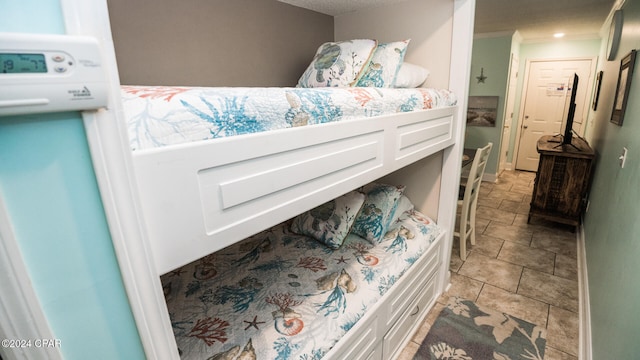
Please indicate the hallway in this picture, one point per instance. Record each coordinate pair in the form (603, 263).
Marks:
(526, 270)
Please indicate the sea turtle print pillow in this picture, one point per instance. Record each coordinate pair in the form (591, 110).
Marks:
(338, 64)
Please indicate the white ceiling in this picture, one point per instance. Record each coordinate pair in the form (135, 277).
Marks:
(533, 19)
(337, 7)
(540, 19)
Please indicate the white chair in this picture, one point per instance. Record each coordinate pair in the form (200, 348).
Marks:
(468, 199)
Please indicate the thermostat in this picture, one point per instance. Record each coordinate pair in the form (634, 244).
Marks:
(50, 73)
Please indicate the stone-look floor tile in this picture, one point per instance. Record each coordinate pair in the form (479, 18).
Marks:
(502, 186)
(566, 267)
(409, 351)
(443, 298)
(523, 181)
(481, 225)
(485, 190)
(508, 205)
(455, 263)
(523, 208)
(509, 174)
(506, 195)
(511, 233)
(522, 189)
(487, 245)
(497, 215)
(531, 175)
(536, 288)
(491, 271)
(555, 354)
(521, 219)
(423, 330)
(551, 289)
(489, 202)
(522, 307)
(559, 242)
(562, 330)
(526, 256)
(464, 287)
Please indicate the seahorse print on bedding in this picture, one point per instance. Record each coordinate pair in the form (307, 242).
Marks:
(293, 288)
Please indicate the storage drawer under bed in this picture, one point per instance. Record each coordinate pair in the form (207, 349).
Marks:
(397, 337)
(398, 304)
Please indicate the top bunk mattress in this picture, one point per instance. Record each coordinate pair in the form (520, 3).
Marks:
(160, 116)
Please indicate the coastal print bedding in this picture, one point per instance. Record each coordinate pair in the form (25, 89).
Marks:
(160, 116)
(279, 295)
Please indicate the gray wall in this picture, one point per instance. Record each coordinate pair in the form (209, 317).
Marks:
(492, 55)
(215, 42)
(612, 229)
(428, 23)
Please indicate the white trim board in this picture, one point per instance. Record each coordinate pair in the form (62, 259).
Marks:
(584, 311)
(112, 160)
(21, 315)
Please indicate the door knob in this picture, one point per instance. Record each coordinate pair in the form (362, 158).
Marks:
(525, 126)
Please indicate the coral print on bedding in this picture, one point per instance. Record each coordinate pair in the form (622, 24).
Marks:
(280, 295)
(162, 116)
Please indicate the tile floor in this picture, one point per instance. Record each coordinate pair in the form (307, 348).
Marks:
(526, 270)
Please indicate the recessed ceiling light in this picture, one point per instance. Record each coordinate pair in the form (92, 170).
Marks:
(558, 35)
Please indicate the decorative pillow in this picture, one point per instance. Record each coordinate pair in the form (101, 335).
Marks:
(404, 206)
(409, 225)
(411, 76)
(377, 212)
(384, 65)
(338, 64)
(330, 222)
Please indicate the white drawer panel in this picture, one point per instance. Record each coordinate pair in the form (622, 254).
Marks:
(364, 343)
(403, 297)
(395, 340)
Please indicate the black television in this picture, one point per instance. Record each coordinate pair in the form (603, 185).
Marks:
(571, 111)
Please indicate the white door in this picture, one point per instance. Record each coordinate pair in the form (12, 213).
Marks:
(544, 104)
(508, 118)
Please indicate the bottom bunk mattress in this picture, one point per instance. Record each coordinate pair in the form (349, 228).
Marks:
(280, 295)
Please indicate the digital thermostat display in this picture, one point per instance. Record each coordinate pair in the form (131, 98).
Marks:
(22, 63)
(43, 73)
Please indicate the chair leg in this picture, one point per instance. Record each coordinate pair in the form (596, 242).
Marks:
(463, 246)
(472, 218)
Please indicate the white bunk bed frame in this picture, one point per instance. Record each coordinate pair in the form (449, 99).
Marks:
(199, 200)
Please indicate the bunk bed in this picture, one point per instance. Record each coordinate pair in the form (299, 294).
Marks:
(171, 205)
(199, 206)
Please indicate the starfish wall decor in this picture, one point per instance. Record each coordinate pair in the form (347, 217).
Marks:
(481, 78)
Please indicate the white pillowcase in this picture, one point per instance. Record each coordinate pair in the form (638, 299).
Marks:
(411, 76)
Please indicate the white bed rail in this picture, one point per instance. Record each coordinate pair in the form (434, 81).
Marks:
(234, 187)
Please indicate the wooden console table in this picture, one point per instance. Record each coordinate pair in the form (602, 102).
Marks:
(562, 181)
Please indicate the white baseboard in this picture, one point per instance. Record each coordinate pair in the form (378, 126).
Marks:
(584, 349)
(489, 177)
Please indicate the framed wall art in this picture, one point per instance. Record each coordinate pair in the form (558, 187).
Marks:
(482, 110)
(622, 89)
(596, 91)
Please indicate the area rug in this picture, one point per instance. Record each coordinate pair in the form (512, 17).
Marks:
(467, 331)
